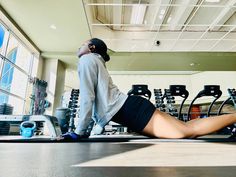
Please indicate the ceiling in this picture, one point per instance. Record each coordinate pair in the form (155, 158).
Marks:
(192, 34)
(55, 26)
(178, 25)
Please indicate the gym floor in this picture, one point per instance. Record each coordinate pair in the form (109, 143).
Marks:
(138, 157)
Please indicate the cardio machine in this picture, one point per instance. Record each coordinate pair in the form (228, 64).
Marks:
(140, 90)
(209, 90)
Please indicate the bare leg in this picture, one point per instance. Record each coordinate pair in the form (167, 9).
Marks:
(193, 120)
(211, 124)
(163, 125)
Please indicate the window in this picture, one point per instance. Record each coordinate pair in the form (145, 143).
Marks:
(4, 34)
(3, 98)
(13, 80)
(7, 73)
(16, 61)
(15, 102)
(23, 56)
(3, 42)
(19, 83)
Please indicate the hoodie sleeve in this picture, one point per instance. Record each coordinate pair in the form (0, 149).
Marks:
(88, 81)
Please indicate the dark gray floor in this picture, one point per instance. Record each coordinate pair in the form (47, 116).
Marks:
(57, 160)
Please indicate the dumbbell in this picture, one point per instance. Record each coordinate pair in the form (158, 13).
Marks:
(73, 102)
(74, 98)
(72, 105)
(170, 101)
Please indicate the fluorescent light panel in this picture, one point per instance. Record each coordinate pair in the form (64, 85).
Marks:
(138, 13)
(212, 0)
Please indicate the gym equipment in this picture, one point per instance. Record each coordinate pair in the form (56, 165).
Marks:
(5, 109)
(50, 122)
(231, 99)
(141, 90)
(232, 94)
(159, 100)
(209, 90)
(73, 106)
(63, 117)
(27, 129)
(66, 116)
(170, 100)
(169, 94)
(38, 102)
(228, 100)
(179, 90)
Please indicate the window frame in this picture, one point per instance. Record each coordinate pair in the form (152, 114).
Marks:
(4, 60)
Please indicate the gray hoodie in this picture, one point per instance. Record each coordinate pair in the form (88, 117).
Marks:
(100, 99)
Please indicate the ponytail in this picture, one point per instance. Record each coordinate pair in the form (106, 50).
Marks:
(106, 57)
(100, 48)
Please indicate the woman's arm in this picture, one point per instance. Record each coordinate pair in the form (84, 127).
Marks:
(88, 81)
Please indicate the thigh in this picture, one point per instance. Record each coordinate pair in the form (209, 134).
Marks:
(162, 125)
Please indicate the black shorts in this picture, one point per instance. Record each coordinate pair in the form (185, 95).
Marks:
(135, 113)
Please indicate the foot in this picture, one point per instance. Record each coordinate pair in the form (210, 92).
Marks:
(70, 136)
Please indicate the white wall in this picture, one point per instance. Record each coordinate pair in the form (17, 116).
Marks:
(60, 82)
(71, 79)
(226, 79)
(194, 82)
(39, 72)
(125, 82)
(50, 75)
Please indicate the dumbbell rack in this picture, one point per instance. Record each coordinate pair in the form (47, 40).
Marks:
(159, 102)
(232, 95)
(170, 100)
(73, 106)
(169, 95)
(37, 105)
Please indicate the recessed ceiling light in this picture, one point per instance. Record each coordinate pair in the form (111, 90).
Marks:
(194, 64)
(52, 26)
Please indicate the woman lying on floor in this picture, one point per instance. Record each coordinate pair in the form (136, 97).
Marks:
(102, 100)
